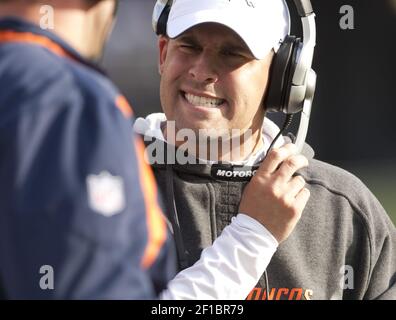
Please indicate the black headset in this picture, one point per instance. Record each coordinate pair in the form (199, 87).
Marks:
(292, 81)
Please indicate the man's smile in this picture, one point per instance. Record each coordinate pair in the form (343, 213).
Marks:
(200, 100)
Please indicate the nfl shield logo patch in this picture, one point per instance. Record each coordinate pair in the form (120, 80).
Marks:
(106, 193)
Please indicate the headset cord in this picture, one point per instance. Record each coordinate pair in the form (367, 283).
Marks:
(286, 124)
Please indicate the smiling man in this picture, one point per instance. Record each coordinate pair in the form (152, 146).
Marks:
(208, 84)
(209, 78)
(335, 241)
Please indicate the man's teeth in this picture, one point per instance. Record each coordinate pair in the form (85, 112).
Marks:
(203, 101)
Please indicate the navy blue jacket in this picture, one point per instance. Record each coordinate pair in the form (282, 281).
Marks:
(79, 217)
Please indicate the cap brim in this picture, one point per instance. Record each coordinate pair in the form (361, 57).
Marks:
(259, 47)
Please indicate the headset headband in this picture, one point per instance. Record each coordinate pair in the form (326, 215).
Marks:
(304, 7)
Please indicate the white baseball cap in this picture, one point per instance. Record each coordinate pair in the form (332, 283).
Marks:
(262, 24)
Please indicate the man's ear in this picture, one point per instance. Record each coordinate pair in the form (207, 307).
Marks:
(163, 50)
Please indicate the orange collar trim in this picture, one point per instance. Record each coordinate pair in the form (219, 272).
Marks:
(28, 37)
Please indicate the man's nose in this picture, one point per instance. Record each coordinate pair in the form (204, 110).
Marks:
(204, 69)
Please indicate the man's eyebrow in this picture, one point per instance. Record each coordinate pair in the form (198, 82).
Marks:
(188, 39)
(227, 46)
(235, 47)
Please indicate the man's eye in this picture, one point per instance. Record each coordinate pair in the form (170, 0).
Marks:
(189, 47)
(232, 54)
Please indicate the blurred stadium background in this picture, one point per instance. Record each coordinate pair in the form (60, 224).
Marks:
(353, 121)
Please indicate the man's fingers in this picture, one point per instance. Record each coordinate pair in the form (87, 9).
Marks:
(289, 167)
(302, 199)
(276, 157)
(294, 187)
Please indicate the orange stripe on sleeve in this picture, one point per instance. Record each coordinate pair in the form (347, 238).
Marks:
(124, 106)
(155, 219)
(27, 37)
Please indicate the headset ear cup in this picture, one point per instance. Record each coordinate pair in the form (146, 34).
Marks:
(279, 76)
(293, 104)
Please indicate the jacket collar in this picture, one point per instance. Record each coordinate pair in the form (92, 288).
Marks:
(14, 29)
(165, 155)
